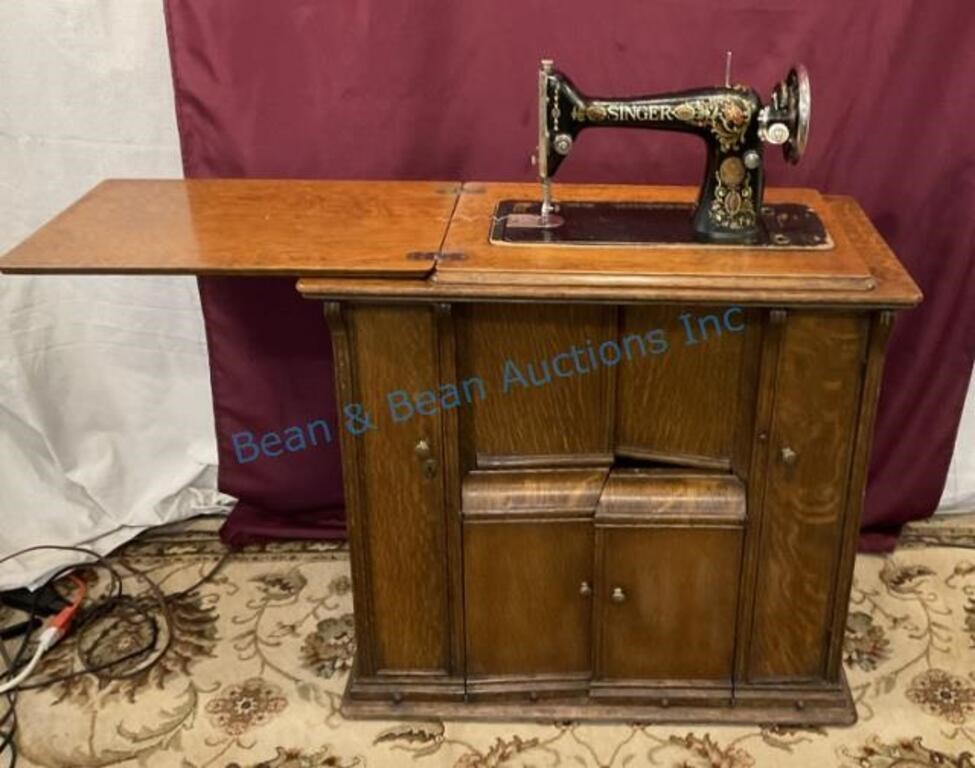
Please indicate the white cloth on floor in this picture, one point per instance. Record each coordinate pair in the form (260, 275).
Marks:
(106, 417)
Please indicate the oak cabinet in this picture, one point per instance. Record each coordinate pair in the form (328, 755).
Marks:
(673, 571)
(600, 481)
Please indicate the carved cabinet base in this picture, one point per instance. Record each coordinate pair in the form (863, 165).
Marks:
(805, 706)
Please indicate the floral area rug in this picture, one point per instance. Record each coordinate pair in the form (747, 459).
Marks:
(259, 656)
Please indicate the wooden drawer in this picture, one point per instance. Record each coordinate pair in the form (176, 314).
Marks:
(528, 559)
(668, 556)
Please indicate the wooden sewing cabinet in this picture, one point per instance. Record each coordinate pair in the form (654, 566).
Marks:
(669, 537)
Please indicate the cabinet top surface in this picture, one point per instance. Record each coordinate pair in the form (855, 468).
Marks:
(385, 239)
(836, 268)
(243, 226)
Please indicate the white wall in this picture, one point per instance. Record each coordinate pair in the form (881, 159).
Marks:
(106, 421)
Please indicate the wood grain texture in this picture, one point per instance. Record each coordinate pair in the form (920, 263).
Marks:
(840, 268)
(748, 392)
(672, 497)
(669, 695)
(817, 395)
(525, 613)
(356, 516)
(329, 231)
(561, 416)
(243, 226)
(451, 480)
(677, 621)
(679, 404)
(396, 348)
(535, 493)
(671, 541)
(893, 286)
(772, 328)
(881, 325)
(820, 705)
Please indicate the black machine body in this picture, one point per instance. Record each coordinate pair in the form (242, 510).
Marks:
(732, 120)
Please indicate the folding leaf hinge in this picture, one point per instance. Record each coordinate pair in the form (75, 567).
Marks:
(436, 256)
(467, 188)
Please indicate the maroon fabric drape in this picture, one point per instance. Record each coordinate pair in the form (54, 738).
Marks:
(444, 89)
(271, 372)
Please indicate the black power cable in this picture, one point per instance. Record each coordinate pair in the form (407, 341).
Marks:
(103, 613)
(7, 736)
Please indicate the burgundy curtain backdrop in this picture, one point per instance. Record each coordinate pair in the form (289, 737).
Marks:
(446, 89)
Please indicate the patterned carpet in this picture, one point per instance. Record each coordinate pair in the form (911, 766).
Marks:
(259, 656)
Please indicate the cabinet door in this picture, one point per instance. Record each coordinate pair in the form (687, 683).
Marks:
(395, 505)
(543, 408)
(667, 598)
(528, 598)
(816, 405)
(680, 404)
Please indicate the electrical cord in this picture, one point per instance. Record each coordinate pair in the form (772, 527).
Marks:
(115, 608)
(53, 631)
(7, 744)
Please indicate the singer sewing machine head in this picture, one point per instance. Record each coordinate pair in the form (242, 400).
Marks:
(734, 124)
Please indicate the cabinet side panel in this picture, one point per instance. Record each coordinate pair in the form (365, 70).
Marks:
(816, 399)
(336, 316)
(880, 327)
(556, 407)
(395, 349)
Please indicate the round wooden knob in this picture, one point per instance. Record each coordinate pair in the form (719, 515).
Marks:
(789, 456)
(585, 589)
(617, 595)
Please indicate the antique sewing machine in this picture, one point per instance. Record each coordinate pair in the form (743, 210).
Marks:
(660, 525)
(734, 125)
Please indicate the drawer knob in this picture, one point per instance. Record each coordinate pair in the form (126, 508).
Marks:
(422, 449)
(585, 589)
(789, 456)
(617, 595)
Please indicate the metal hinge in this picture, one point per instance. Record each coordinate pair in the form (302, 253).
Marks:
(436, 256)
(463, 189)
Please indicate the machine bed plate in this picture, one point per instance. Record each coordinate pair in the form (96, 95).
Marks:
(517, 222)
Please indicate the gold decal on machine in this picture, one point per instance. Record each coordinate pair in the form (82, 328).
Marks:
(728, 117)
(733, 206)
